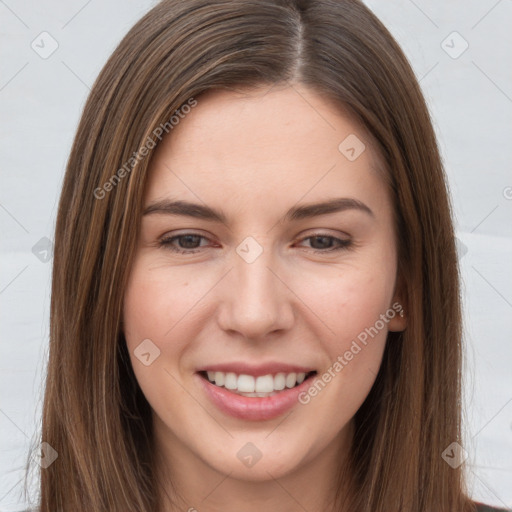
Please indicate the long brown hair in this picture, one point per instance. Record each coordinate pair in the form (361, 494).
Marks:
(94, 414)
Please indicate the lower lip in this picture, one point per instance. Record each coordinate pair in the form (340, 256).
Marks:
(253, 408)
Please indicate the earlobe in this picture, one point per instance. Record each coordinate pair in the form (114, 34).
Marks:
(398, 317)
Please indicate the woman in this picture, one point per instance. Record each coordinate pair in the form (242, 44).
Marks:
(255, 297)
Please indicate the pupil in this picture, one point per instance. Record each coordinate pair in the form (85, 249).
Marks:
(325, 239)
(188, 238)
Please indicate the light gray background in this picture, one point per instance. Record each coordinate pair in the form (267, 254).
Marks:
(470, 98)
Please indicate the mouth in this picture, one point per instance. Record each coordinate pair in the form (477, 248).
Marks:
(255, 392)
(262, 386)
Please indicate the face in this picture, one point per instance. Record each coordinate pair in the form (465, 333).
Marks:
(256, 289)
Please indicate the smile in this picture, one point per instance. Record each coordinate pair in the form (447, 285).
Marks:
(250, 386)
(254, 398)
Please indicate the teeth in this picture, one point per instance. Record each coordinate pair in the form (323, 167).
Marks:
(291, 379)
(245, 383)
(279, 381)
(219, 378)
(230, 381)
(265, 385)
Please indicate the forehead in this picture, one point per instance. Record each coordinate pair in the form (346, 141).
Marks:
(264, 145)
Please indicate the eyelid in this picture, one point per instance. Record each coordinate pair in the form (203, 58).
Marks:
(305, 234)
(165, 242)
(322, 232)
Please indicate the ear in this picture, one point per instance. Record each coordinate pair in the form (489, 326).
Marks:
(399, 307)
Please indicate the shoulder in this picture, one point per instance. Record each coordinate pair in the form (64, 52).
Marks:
(481, 507)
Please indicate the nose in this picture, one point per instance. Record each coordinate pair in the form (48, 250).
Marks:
(256, 300)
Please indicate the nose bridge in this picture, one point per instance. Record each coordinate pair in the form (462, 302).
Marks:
(254, 279)
(256, 302)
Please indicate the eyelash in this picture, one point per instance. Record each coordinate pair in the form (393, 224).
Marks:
(166, 243)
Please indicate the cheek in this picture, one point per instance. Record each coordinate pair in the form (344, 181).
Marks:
(149, 312)
(152, 309)
(166, 306)
(350, 299)
(142, 313)
(154, 303)
(360, 325)
(354, 303)
(352, 309)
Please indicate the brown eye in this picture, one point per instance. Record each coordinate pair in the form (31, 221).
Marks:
(187, 243)
(326, 243)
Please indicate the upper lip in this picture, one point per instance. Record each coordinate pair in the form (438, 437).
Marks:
(256, 370)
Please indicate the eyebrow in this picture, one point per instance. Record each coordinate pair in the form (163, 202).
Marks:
(295, 213)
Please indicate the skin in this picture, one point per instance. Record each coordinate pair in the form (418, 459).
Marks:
(254, 156)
